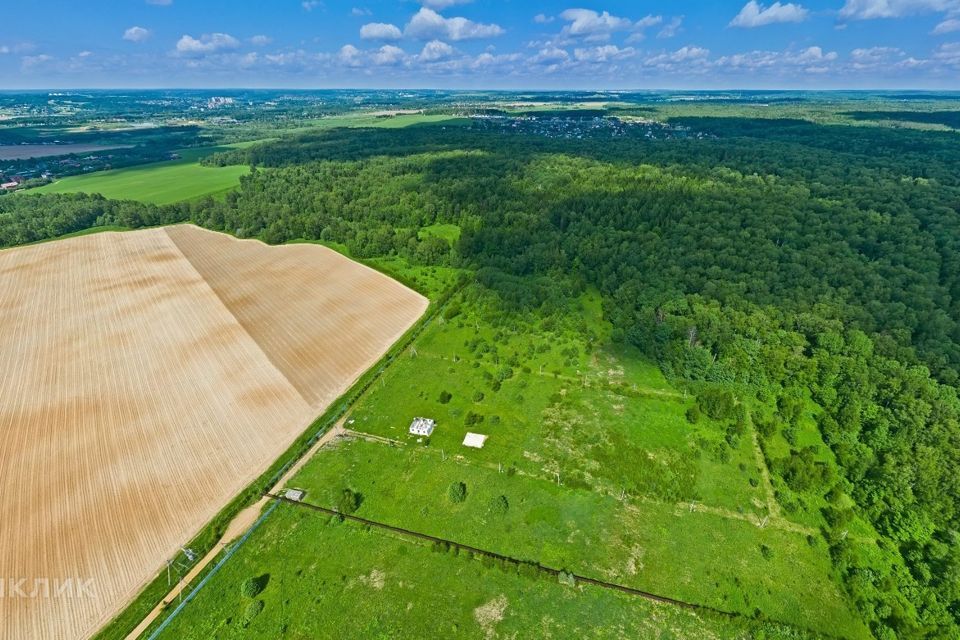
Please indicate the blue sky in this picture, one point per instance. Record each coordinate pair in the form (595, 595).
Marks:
(532, 44)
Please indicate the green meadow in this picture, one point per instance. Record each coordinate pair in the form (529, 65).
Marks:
(316, 577)
(157, 183)
(590, 466)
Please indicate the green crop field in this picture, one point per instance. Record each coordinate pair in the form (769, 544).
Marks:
(158, 183)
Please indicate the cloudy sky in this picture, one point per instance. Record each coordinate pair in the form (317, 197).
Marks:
(536, 44)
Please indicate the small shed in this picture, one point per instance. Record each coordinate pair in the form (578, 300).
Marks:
(474, 440)
(295, 494)
(422, 427)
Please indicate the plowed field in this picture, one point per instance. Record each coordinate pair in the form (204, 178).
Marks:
(147, 377)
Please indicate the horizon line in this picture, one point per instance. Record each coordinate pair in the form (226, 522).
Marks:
(484, 89)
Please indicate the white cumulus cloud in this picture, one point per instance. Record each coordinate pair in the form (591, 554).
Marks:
(136, 34)
(589, 24)
(436, 50)
(260, 41)
(550, 55)
(380, 31)
(427, 24)
(442, 4)
(871, 9)
(207, 43)
(388, 55)
(604, 53)
(755, 14)
(672, 28)
(350, 56)
(948, 54)
(947, 26)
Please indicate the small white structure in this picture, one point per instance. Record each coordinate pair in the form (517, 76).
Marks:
(295, 494)
(474, 440)
(422, 427)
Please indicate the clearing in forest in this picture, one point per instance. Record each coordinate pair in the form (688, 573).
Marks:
(148, 377)
(156, 183)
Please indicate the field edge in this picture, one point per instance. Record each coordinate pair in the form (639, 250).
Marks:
(152, 592)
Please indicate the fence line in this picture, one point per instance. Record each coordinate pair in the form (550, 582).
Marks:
(232, 550)
(498, 556)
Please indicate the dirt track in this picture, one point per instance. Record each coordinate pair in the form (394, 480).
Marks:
(148, 377)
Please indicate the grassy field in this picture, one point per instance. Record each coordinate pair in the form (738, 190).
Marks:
(554, 401)
(696, 556)
(158, 183)
(449, 232)
(590, 466)
(321, 578)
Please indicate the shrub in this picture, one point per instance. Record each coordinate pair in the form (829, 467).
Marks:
(477, 396)
(790, 434)
(451, 312)
(500, 505)
(457, 492)
(718, 404)
(693, 414)
(252, 611)
(445, 397)
(349, 501)
(528, 570)
(252, 587)
(472, 418)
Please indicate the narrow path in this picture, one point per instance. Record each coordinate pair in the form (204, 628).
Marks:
(772, 505)
(237, 527)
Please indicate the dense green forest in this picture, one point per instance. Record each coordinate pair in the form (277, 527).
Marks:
(790, 263)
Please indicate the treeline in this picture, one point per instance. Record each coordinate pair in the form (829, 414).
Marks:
(26, 218)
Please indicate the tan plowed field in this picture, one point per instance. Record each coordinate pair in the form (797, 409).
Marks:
(145, 379)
